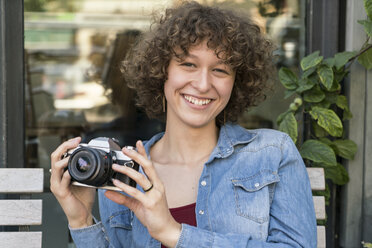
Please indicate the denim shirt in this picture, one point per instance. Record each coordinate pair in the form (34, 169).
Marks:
(254, 191)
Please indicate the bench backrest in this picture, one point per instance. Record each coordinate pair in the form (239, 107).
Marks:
(25, 211)
(317, 181)
(21, 212)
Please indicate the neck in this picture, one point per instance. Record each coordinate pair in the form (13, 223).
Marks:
(186, 145)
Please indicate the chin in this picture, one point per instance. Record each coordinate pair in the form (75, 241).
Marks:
(200, 123)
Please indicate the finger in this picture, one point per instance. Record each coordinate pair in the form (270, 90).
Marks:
(139, 178)
(63, 148)
(59, 187)
(58, 168)
(140, 148)
(66, 180)
(121, 199)
(143, 161)
(131, 191)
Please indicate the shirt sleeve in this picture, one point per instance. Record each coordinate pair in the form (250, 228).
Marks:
(292, 214)
(91, 236)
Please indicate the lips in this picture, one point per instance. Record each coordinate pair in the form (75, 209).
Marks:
(197, 101)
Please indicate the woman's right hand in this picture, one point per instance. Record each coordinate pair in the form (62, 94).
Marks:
(76, 202)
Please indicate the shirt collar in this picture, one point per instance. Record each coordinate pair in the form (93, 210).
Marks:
(230, 135)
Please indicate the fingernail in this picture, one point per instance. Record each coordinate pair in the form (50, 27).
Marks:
(126, 149)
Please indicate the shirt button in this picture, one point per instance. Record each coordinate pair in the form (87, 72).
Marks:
(201, 212)
(256, 185)
(203, 183)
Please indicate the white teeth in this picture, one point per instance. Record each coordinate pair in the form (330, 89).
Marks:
(197, 101)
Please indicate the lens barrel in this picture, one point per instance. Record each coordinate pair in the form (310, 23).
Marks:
(90, 166)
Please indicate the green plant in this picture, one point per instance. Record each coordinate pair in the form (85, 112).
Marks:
(323, 107)
(367, 245)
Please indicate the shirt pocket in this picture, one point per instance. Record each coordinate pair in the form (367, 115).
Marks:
(253, 195)
(122, 219)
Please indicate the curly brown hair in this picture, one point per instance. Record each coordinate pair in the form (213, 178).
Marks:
(235, 39)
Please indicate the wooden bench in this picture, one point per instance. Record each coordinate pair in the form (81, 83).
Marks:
(21, 212)
(317, 181)
(25, 211)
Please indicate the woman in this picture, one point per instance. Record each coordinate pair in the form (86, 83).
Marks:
(201, 67)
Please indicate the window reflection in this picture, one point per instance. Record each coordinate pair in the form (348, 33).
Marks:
(72, 52)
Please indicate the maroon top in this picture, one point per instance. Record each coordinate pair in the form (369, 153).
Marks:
(184, 215)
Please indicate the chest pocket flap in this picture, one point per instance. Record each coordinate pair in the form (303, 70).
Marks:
(257, 181)
(122, 219)
(253, 195)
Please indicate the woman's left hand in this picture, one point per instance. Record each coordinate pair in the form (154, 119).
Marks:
(150, 207)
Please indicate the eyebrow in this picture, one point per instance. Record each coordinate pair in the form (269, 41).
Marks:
(220, 61)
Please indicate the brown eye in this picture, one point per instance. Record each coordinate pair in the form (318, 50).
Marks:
(221, 71)
(187, 64)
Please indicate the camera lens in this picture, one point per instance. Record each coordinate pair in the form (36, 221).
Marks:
(89, 166)
(83, 164)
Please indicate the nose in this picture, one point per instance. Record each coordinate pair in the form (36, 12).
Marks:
(203, 81)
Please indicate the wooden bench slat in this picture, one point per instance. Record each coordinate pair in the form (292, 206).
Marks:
(321, 236)
(20, 239)
(319, 205)
(20, 212)
(19, 180)
(316, 176)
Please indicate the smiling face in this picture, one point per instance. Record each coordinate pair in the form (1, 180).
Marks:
(198, 87)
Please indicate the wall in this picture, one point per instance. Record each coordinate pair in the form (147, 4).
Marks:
(356, 200)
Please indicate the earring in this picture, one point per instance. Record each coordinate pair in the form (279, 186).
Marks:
(163, 104)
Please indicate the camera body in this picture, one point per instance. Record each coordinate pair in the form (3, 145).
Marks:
(90, 164)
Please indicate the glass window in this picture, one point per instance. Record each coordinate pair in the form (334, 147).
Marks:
(74, 87)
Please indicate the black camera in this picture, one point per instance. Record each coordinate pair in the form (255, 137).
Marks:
(90, 164)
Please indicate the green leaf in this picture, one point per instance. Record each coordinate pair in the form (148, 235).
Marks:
(323, 104)
(368, 8)
(345, 148)
(314, 95)
(288, 78)
(288, 93)
(337, 174)
(318, 152)
(332, 97)
(367, 24)
(289, 126)
(304, 85)
(329, 62)
(325, 74)
(342, 58)
(326, 141)
(335, 87)
(328, 120)
(308, 72)
(365, 59)
(341, 102)
(347, 115)
(340, 75)
(366, 245)
(311, 60)
(281, 117)
(319, 131)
